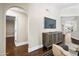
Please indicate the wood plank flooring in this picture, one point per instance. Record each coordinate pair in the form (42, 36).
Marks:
(12, 50)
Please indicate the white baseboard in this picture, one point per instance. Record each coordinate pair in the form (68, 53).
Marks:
(35, 48)
(10, 36)
(20, 43)
(2, 53)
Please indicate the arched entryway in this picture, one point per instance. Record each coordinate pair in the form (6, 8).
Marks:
(16, 31)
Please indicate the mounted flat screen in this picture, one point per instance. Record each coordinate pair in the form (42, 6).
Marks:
(49, 23)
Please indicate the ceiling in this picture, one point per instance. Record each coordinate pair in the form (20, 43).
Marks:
(64, 5)
(59, 5)
(56, 5)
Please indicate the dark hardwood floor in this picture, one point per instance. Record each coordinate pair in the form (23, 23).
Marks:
(12, 50)
(38, 52)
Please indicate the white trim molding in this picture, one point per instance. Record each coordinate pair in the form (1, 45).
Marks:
(2, 52)
(35, 48)
(20, 43)
(9, 35)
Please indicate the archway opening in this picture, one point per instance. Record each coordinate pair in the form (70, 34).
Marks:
(16, 31)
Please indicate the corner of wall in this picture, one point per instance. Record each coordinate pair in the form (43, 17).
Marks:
(20, 43)
(35, 48)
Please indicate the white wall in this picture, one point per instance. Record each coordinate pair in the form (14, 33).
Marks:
(36, 13)
(21, 26)
(2, 29)
(10, 28)
(72, 11)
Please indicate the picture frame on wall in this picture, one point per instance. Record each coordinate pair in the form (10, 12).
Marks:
(49, 23)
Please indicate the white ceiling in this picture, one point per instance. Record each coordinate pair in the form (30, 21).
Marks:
(59, 5)
(64, 5)
(56, 5)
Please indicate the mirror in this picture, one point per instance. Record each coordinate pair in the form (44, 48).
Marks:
(70, 24)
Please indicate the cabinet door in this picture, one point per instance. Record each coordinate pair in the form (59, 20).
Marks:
(53, 37)
(50, 39)
(47, 39)
(60, 37)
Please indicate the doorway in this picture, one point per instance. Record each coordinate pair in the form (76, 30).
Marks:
(10, 33)
(16, 32)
